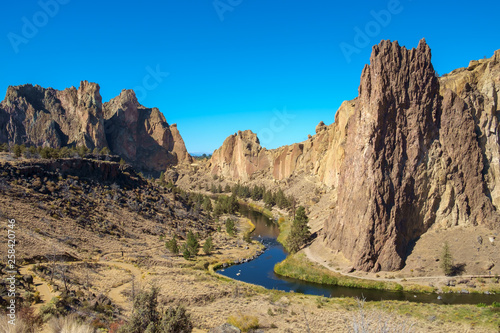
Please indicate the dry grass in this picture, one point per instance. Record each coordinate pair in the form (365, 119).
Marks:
(372, 321)
(68, 324)
(20, 327)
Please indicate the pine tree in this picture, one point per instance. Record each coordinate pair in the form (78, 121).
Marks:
(230, 227)
(17, 150)
(172, 245)
(207, 204)
(233, 205)
(447, 260)
(208, 246)
(192, 245)
(300, 233)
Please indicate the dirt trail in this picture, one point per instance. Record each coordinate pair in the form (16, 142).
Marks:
(314, 257)
(115, 294)
(46, 294)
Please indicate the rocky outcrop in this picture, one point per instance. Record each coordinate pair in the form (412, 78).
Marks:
(141, 135)
(410, 153)
(38, 116)
(88, 169)
(242, 158)
(413, 159)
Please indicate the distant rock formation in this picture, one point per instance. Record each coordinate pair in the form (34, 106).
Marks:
(47, 117)
(241, 157)
(142, 135)
(412, 151)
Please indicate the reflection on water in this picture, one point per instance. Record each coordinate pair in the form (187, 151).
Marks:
(260, 271)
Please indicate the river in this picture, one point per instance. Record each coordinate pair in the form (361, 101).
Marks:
(260, 271)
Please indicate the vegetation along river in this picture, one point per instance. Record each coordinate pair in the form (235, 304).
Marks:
(260, 271)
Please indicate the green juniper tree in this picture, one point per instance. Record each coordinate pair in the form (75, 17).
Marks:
(446, 260)
(231, 230)
(191, 247)
(207, 204)
(146, 318)
(300, 233)
(172, 245)
(208, 246)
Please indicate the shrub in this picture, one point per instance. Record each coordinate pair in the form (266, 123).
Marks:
(244, 322)
(176, 320)
(363, 320)
(26, 322)
(231, 230)
(172, 245)
(247, 237)
(147, 318)
(208, 246)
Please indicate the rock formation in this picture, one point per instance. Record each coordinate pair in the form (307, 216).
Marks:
(411, 152)
(413, 159)
(241, 157)
(141, 135)
(34, 115)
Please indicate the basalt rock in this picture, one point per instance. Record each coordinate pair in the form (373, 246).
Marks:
(102, 172)
(33, 115)
(410, 153)
(142, 135)
(242, 158)
(413, 159)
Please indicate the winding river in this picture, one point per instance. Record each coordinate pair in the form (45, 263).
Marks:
(260, 271)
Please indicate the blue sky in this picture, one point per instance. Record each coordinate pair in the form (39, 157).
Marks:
(273, 66)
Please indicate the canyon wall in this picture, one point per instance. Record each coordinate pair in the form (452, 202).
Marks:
(38, 116)
(412, 151)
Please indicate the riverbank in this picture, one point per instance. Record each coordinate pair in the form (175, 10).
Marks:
(423, 316)
(309, 265)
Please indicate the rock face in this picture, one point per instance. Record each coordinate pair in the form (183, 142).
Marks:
(32, 114)
(102, 172)
(141, 135)
(242, 158)
(411, 152)
(47, 117)
(409, 155)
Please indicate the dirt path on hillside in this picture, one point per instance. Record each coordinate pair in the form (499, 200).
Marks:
(115, 294)
(315, 257)
(46, 294)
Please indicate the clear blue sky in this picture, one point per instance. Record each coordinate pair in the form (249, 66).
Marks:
(233, 68)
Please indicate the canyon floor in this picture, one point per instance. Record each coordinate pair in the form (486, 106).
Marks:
(109, 240)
